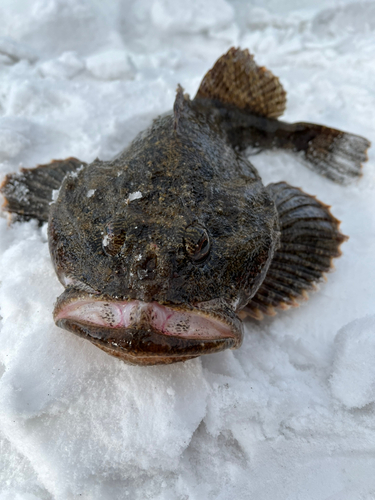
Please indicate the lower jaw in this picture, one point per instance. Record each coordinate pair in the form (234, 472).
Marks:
(146, 346)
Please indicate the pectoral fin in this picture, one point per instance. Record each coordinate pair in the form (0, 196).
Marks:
(310, 239)
(28, 194)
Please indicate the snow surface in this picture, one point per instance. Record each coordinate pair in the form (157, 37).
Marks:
(288, 416)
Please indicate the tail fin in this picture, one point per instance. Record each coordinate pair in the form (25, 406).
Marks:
(330, 152)
(250, 97)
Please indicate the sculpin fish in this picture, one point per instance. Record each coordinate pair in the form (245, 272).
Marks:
(166, 248)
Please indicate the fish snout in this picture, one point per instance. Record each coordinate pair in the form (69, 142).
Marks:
(149, 275)
(151, 266)
(145, 333)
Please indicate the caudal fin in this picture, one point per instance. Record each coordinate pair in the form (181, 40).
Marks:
(330, 152)
(250, 97)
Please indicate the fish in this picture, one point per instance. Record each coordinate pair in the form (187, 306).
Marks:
(164, 250)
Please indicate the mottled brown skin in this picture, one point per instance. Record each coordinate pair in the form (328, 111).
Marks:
(188, 174)
(185, 178)
(181, 223)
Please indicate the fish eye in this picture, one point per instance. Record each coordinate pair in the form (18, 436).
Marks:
(197, 242)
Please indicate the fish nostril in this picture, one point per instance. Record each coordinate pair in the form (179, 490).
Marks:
(147, 266)
(148, 263)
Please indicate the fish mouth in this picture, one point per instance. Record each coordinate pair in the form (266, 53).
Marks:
(147, 333)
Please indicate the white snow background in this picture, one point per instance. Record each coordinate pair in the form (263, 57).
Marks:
(290, 415)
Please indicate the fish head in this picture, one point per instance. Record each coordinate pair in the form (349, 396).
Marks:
(150, 276)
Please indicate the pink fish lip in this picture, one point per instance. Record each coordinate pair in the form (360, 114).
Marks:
(130, 314)
(147, 332)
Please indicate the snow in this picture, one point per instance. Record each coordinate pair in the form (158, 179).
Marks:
(55, 195)
(105, 241)
(288, 416)
(353, 375)
(134, 196)
(110, 65)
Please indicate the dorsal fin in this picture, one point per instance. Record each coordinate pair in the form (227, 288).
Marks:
(237, 80)
(180, 107)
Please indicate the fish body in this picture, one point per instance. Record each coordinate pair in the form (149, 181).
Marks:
(164, 248)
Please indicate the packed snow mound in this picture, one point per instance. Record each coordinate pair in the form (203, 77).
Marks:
(288, 416)
(353, 375)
